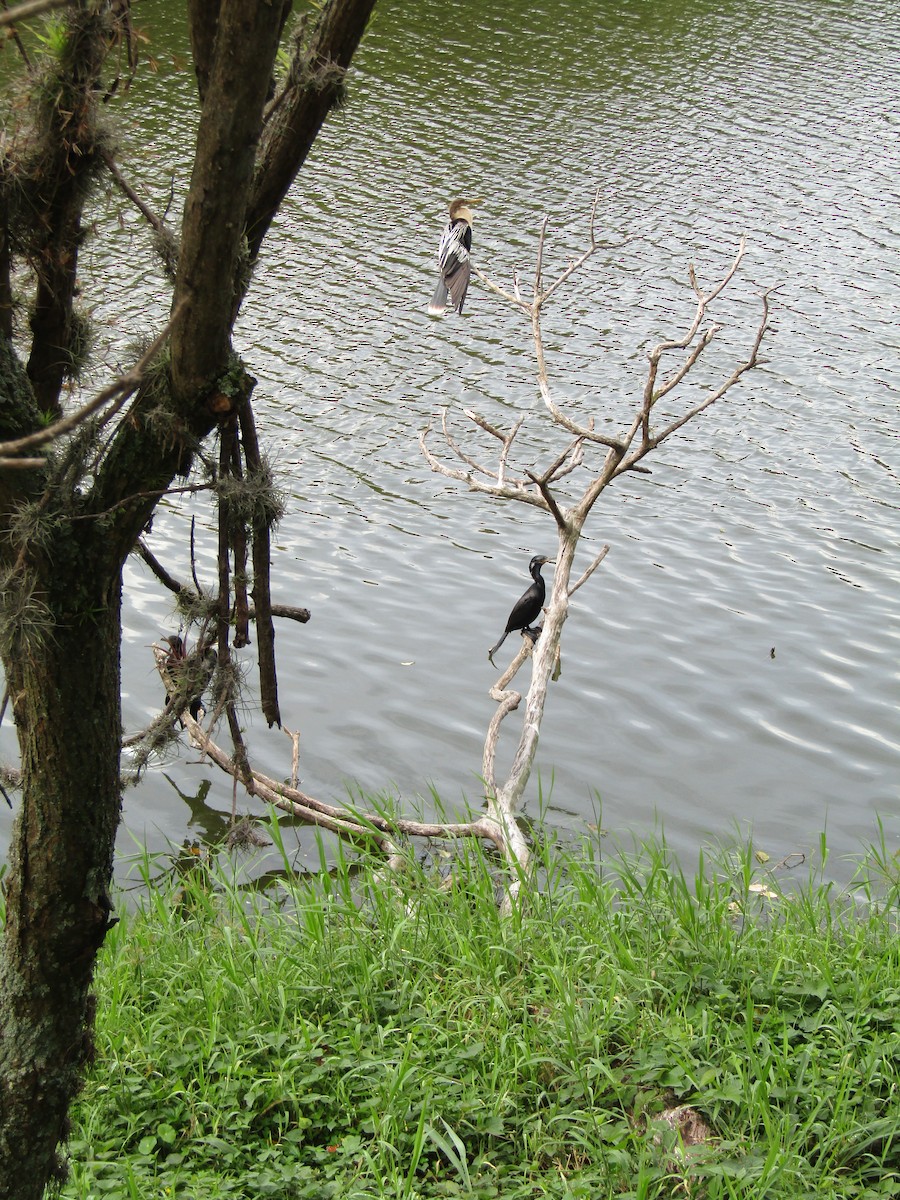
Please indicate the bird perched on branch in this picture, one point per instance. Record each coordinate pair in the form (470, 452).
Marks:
(454, 262)
(191, 672)
(527, 608)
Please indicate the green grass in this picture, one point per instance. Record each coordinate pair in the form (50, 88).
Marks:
(391, 1038)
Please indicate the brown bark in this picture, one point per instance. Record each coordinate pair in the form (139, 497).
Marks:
(213, 229)
(6, 295)
(262, 598)
(203, 21)
(59, 195)
(65, 696)
(314, 86)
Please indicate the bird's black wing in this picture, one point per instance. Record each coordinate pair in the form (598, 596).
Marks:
(526, 608)
(454, 261)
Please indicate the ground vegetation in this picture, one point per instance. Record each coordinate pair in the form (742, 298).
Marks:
(630, 1032)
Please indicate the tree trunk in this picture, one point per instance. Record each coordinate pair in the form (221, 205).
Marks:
(67, 710)
(69, 128)
(60, 578)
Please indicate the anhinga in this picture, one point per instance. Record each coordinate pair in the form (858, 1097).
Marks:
(527, 608)
(454, 263)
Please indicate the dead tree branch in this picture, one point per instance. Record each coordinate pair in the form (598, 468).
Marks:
(289, 611)
(615, 454)
(153, 219)
(30, 8)
(340, 819)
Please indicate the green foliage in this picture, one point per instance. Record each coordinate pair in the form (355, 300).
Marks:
(363, 1036)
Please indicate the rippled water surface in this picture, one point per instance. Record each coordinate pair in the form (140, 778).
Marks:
(734, 661)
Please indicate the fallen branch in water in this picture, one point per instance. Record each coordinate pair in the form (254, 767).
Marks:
(344, 820)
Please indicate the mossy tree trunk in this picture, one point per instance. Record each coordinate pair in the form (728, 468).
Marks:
(65, 698)
(67, 528)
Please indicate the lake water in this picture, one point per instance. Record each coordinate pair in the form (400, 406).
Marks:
(733, 665)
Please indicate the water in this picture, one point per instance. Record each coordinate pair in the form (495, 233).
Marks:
(733, 663)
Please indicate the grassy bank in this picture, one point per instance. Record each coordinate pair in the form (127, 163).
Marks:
(397, 1039)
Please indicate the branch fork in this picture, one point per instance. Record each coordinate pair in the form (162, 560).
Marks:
(615, 455)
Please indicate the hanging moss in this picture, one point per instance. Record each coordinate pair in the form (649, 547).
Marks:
(167, 248)
(26, 622)
(82, 338)
(196, 609)
(254, 498)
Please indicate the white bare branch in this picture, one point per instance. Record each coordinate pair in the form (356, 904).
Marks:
(345, 820)
(617, 454)
(504, 490)
(650, 441)
(514, 297)
(585, 576)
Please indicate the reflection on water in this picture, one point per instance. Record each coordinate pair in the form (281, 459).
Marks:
(770, 525)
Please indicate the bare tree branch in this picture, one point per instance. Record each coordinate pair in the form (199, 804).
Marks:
(619, 454)
(513, 297)
(290, 612)
(341, 819)
(577, 264)
(503, 491)
(30, 8)
(21, 464)
(650, 441)
(156, 222)
(585, 576)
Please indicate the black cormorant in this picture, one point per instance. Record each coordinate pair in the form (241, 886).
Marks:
(528, 606)
(453, 260)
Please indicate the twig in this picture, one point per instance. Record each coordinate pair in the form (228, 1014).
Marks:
(30, 8)
(512, 297)
(119, 391)
(21, 464)
(159, 570)
(457, 449)
(289, 611)
(651, 441)
(187, 489)
(295, 755)
(589, 572)
(541, 482)
(504, 491)
(19, 43)
(152, 219)
(577, 264)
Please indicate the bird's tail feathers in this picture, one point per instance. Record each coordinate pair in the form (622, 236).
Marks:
(438, 305)
(459, 285)
(493, 650)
